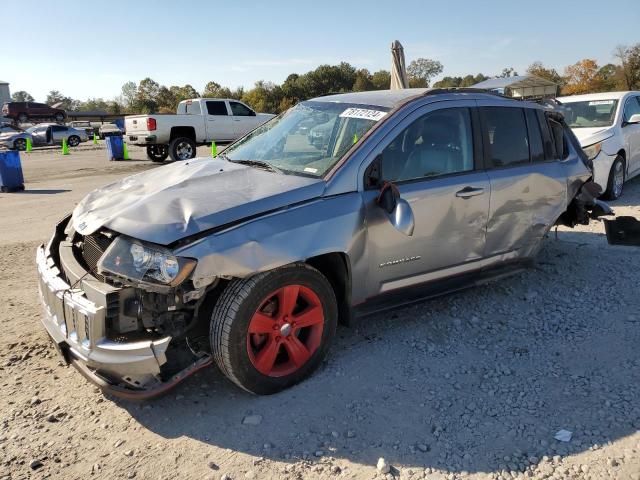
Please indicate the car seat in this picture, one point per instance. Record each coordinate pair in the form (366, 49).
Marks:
(437, 151)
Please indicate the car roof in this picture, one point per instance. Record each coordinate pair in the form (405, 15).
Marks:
(395, 98)
(595, 96)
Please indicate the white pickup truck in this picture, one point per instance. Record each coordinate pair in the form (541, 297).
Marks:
(197, 122)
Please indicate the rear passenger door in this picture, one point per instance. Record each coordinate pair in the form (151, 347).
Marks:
(527, 187)
(220, 124)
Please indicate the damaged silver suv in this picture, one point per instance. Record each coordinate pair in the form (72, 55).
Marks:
(250, 259)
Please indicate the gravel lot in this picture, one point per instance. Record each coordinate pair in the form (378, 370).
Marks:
(472, 385)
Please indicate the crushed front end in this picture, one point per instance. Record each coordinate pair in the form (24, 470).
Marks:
(130, 341)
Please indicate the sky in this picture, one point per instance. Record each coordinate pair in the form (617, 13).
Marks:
(89, 49)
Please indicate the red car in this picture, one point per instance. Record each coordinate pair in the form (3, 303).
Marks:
(26, 111)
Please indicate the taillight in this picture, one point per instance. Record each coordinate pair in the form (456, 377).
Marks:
(151, 123)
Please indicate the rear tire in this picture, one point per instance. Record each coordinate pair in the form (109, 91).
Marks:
(73, 141)
(22, 118)
(615, 184)
(272, 330)
(59, 117)
(182, 148)
(157, 153)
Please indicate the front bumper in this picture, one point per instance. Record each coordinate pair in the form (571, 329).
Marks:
(601, 168)
(77, 326)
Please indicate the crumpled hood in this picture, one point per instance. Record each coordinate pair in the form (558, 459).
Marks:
(172, 202)
(589, 136)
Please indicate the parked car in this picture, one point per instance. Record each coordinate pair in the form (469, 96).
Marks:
(83, 125)
(608, 128)
(54, 134)
(250, 259)
(197, 122)
(14, 140)
(109, 130)
(23, 112)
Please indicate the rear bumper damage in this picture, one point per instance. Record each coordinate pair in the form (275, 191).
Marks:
(75, 318)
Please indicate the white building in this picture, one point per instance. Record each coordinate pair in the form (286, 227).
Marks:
(5, 94)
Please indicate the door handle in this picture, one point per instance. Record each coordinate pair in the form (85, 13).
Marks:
(468, 192)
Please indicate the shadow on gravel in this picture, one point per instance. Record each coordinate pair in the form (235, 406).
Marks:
(479, 381)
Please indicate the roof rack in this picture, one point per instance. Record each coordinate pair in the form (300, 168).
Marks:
(439, 91)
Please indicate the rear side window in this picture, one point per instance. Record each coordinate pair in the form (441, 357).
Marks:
(505, 136)
(193, 108)
(240, 110)
(216, 108)
(535, 136)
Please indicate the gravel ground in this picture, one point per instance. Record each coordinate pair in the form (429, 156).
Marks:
(472, 385)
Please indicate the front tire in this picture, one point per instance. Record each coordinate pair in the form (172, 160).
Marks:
(20, 144)
(615, 184)
(272, 330)
(182, 148)
(22, 118)
(59, 117)
(157, 153)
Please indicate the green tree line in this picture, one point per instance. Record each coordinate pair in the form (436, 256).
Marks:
(148, 96)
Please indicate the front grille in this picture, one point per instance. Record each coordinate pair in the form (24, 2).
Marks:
(93, 246)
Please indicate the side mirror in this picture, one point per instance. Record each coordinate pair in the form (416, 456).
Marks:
(398, 210)
(635, 119)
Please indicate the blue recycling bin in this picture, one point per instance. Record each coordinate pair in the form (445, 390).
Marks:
(11, 179)
(115, 148)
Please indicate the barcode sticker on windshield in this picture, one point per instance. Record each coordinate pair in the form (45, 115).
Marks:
(363, 113)
(601, 102)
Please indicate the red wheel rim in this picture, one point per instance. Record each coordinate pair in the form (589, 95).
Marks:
(285, 331)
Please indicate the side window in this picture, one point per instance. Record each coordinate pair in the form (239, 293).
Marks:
(536, 150)
(631, 108)
(193, 108)
(58, 128)
(216, 108)
(240, 110)
(438, 143)
(506, 136)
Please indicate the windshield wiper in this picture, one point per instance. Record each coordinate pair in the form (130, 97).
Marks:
(257, 164)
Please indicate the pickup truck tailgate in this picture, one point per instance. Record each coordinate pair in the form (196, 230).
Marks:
(137, 123)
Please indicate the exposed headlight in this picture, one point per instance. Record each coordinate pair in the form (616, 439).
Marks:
(140, 262)
(592, 151)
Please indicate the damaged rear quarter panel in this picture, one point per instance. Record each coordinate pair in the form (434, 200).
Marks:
(324, 225)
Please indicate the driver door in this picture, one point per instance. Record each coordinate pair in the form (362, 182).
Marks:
(434, 161)
(631, 135)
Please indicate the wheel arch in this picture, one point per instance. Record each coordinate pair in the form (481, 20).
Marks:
(336, 267)
(188, 132)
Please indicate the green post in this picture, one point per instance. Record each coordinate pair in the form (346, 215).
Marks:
(29, 145)
(95, 139)
(125, 151)
(214, 149)
(65, 147)
(355, 138)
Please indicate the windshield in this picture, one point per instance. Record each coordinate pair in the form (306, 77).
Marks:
(590, 113)
(308, 139)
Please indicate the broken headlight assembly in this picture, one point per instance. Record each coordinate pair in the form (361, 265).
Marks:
(592, 151)
(144, 264)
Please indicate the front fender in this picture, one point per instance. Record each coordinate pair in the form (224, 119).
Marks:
(325, 225)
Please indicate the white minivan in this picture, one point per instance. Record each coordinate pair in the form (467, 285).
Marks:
(608, 128)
